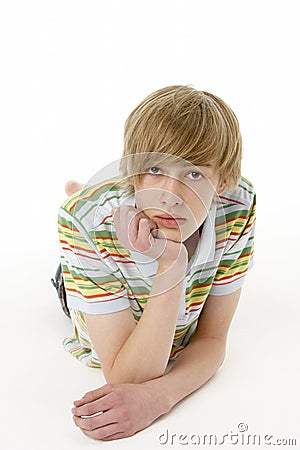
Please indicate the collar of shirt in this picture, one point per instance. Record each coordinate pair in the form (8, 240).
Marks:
(205, 250)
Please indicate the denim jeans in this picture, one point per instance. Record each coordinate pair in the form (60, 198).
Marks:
(58, 283)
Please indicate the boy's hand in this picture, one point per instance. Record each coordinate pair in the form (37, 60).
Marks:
(122, 410)
(137, 232)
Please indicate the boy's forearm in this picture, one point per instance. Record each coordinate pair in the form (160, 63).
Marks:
(145, 354)
(198, 362)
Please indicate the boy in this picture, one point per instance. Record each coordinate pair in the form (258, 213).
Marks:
(154, 259)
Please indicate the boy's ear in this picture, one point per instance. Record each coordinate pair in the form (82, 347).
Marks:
(221, 187)
(133, 180)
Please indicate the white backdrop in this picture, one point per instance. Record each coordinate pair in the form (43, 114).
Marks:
(71, 72)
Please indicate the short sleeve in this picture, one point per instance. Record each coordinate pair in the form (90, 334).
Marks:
(237, 258)
(91, 284)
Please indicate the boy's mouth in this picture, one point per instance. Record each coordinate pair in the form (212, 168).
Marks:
(168, 221)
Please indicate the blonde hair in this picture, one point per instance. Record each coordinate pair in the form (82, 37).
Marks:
(181, 121)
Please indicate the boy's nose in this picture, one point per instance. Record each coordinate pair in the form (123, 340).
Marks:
(171, 192)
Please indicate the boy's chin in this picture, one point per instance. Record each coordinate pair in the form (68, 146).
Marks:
(173, 234)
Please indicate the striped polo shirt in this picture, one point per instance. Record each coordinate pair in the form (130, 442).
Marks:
(101, 276)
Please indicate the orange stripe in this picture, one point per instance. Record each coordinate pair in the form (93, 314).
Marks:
(192, 305)
(174, 352)
(232, 200)
(220, 248)
(71, 247)
(66, 226)
(96, 296)
(104, 220)
(98, 284)
(104, 238)
(91, 195)
(198, 286)
(80, 254)
(124, 262)
(237, 260)
(231, 220)
(107, 255)
(219, 283)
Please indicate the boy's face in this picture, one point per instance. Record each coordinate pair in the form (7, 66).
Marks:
(177, 197)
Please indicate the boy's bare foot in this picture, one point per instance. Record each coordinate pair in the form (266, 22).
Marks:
(72, 186)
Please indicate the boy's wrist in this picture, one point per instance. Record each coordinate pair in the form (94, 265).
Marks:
(160, 402)
(168, 277)
(180, 263)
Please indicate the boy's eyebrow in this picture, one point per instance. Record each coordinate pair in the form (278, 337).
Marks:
(193, 165)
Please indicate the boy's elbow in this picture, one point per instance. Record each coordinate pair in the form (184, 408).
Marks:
(122, 379)
(133, 378)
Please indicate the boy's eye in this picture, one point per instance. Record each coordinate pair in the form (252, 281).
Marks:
(195, 175)
(153, 170)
